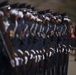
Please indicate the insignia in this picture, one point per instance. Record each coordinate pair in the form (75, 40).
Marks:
(21, 35)
(11, 33)
(59, 33)
(52, 32)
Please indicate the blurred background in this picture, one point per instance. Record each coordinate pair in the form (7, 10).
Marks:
(68, 6)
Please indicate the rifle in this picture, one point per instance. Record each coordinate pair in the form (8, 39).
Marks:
(67, 47)
(48, 58)
(8, 46)
(42, 63)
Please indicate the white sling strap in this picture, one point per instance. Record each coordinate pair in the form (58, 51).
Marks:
(40, 28)
(16, 25)
(32, 27)
(36, 27)
(26, 28)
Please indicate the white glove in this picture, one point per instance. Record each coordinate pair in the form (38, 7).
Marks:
(47, 54)
(39, 58)
(21, 61)
(37, 51)
(17, 61)
(12, 63)
(52, 49)
(20, 51)
(50, 54)
(36, 58)
(57, 50)
(44, 50)
(31, 56)
(26, 59)
(43, 57)
(40, 51)
(27, 35)
(62, 49)
(27, 52)
(33, 51)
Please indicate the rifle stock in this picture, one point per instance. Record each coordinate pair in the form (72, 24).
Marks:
(67, 47)
(7, 44)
